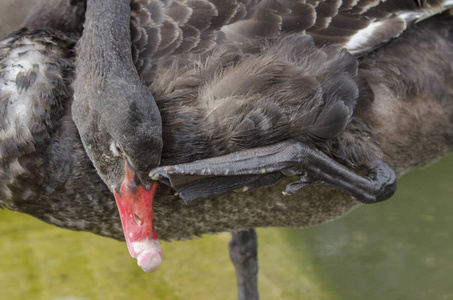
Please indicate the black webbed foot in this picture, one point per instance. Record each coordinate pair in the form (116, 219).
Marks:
(378, 185)
(265, 166)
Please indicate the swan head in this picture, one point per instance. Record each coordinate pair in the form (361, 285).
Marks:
(121, 129)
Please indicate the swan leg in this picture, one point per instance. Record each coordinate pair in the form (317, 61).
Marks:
(243, 252)
(265, 166)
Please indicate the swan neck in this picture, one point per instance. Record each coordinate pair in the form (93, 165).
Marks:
(108, 24)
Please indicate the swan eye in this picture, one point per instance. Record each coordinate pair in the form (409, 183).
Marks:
(119, 148)
(116, 149)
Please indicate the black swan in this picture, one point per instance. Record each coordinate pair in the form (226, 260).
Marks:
(287, 91)
(43, 163)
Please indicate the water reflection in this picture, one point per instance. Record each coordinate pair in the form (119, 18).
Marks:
(399, 249)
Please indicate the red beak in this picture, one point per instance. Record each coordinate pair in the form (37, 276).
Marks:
(135, 205)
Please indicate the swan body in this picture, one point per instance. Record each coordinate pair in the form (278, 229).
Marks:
(45, 170)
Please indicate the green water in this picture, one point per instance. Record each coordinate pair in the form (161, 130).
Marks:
(400, 249)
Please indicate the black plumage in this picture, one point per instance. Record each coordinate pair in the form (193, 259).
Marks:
(51, 143)
(392, 103)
